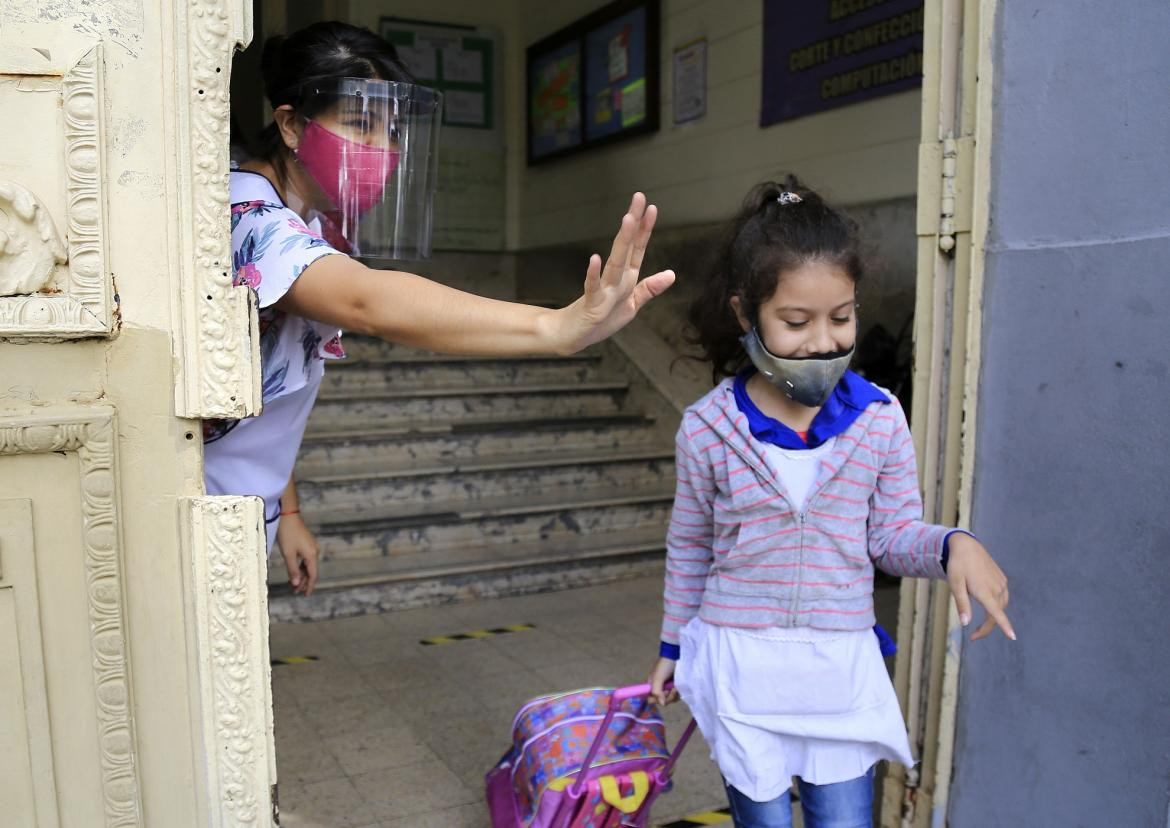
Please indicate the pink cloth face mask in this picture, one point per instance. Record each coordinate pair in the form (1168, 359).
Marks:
(352, 175)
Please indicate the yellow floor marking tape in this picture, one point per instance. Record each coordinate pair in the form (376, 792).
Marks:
(719, 817)
(474, 634)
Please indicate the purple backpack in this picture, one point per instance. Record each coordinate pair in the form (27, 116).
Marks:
(591, 758)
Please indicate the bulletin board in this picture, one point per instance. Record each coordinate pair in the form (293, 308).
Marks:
(822, 54)
(595, 81)
(461, 62)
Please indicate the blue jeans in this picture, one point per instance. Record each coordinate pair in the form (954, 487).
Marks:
(846, 804)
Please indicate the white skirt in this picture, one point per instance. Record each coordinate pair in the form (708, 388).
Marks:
(785, 702)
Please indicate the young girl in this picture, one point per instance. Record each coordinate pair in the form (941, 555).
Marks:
(795, 478)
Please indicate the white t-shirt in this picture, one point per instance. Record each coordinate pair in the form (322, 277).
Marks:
(797, 468)
(271, 247)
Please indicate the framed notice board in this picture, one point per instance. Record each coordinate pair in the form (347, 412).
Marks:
(595, 81)
(458, 61)
(463, 63)
(822, 54)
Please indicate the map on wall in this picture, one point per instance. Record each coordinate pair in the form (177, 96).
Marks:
(822, 54)
(555, 100)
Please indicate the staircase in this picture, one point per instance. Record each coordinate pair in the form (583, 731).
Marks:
(429, 478)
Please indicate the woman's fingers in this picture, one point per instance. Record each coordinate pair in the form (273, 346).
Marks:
(642, 240)
(635, 229)
(593, 275)
(652, 286)
(619, 253)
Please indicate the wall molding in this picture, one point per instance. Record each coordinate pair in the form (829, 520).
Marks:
(216, 340)
(89, 432)
(85, 304)
(227, 553)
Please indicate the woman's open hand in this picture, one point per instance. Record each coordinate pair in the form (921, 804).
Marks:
(973, 573)
(613, 295)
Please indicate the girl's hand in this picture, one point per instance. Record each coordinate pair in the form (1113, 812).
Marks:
(300, 551)
(660, 674)
(972, 573)
(613, 295)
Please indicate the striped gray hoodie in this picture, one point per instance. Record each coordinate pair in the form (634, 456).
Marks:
(740, 554)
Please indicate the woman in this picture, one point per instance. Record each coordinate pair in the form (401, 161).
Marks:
(314, 170)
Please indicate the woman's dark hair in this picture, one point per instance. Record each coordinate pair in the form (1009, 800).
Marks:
(320, 52)
(764, 240)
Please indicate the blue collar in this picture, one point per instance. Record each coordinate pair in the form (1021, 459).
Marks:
(851, 396)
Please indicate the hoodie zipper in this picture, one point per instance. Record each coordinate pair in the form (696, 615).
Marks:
(801, 514)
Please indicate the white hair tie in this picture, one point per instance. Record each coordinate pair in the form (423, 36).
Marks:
(789, 198)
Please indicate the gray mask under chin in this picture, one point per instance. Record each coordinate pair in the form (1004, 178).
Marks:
(807, 380)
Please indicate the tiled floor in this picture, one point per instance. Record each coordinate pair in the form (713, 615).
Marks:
(384, 732)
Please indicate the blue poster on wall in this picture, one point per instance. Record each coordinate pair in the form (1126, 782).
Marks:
(615, 75)
(822, 54)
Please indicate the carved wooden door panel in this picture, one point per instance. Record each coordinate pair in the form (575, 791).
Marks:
(134, 687)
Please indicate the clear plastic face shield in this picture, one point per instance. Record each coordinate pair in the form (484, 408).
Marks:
(371, 148)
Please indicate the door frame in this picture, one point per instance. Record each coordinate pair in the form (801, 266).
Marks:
(954, 181)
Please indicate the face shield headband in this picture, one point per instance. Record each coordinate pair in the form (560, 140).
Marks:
(806, 380)
(371, 147)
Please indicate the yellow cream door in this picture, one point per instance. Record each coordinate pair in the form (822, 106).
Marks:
(134, 686)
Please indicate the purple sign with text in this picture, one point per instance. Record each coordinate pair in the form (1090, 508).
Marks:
(821, 54)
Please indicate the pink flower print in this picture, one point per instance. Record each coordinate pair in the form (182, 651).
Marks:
(245, 206)
(301, 228)
(249, 275)
(333, 348)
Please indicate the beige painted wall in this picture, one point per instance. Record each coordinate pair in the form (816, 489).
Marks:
(699, 172)
(696, 172)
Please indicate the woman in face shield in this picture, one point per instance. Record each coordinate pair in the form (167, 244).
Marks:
(343, 170)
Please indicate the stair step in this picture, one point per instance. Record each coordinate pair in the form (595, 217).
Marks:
(426, 392)
(365, 470)
(516, 476)
(360, 347)
(495, 522)
(400, 355)
(397, 445)
(463, 560)
(443, 372)
(412, 405)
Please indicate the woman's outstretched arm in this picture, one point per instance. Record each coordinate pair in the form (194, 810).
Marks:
(402, 307)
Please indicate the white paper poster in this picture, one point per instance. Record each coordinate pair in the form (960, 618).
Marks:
(690, 81)
(462, 65)
(422, 61)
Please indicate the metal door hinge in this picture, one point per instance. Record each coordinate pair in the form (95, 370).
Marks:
(944, 187)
